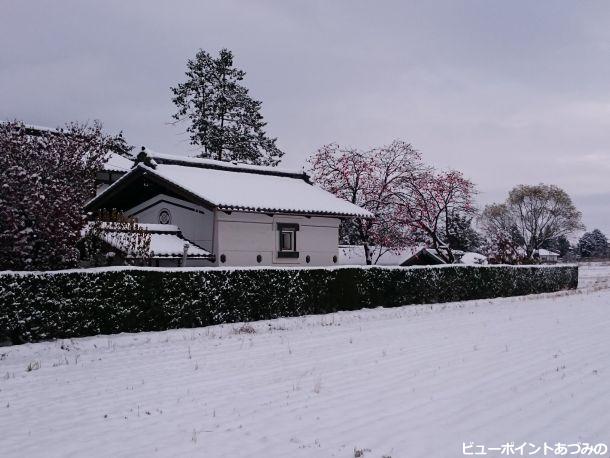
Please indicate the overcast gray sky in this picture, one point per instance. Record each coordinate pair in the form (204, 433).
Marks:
(508, 92)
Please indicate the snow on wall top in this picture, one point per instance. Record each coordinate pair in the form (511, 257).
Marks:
(96, 270)
(243, 187)
(471, 258)
(117, 163)
(353, 255)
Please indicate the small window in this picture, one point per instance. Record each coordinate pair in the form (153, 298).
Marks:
(287, 240)
(287, 246)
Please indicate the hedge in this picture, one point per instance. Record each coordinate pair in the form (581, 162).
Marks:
(38, 306)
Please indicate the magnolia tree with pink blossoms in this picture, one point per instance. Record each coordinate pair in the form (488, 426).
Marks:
(429, 200)
(409, 199)
(371, 179)
(46, 176)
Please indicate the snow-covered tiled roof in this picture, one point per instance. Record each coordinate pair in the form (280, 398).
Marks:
(211, 163)
(166, 241)
(229, 190)
(171, 245)
(240, 187)
(117, 163)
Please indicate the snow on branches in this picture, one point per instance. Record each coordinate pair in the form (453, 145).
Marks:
(429, 200)
(371, 180)
(46, 176)
(225, 121)
(408, 198)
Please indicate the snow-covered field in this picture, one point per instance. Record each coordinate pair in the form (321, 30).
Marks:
(414, 381)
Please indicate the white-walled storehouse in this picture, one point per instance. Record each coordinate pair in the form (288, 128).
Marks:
(243, 215)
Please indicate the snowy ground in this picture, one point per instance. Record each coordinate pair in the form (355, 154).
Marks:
(415, 381)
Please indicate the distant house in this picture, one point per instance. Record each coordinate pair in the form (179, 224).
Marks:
(424, 257)
(242, 215)
(546, 255)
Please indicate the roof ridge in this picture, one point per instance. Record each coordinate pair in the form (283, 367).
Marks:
(229, 166)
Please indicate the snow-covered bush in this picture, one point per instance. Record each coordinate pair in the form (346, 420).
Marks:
(46, 176)
(36, 306)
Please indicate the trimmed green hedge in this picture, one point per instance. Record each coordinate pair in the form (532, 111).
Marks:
(37, 306)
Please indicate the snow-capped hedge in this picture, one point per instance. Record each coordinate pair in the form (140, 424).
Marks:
(36, 306)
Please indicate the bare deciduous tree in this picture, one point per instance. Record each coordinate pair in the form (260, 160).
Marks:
(536, 213)
(503, 244)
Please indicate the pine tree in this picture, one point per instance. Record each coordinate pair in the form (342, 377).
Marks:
(593, 244)
(460, 233)
(119, 145)
(224, 120)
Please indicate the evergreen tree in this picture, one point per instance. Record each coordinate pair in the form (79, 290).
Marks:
(461, 234)
(593, 244)
(224, 120)
(119, 145)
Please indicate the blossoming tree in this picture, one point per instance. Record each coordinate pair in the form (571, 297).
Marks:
(429, 200)
(410, 200)
(370, 179)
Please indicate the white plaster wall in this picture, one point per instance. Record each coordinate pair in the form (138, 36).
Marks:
(241, 236)
(195, 222)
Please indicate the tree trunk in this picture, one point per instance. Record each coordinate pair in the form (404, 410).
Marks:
(367, 254)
